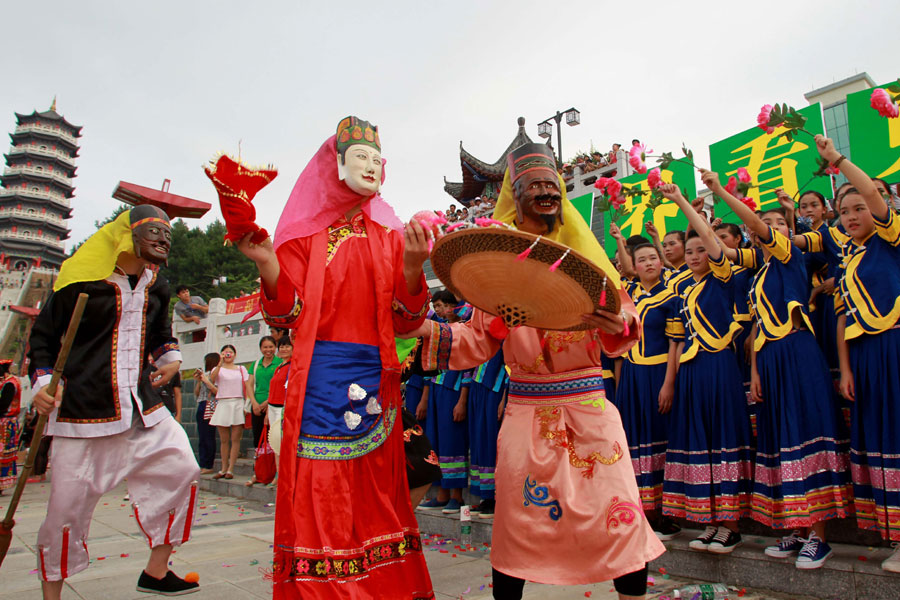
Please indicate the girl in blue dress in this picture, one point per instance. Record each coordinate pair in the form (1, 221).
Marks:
(708, 473)
(646, 387)
(802, 474)
(868, 309)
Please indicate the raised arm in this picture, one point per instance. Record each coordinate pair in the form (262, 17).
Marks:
(653, 232)
(624, 256)
(743, 212)
(855, 175)
(710, 242)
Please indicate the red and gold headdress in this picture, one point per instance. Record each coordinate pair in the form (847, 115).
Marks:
(353, 130)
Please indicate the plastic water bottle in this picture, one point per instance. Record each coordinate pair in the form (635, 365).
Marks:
(703, 591)
(465, 525)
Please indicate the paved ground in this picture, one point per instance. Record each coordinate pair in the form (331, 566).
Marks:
(230, 548)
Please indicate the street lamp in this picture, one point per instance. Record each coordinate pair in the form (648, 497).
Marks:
(545, 128)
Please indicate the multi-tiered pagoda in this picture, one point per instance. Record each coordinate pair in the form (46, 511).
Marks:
(480, 179)
(36, 191)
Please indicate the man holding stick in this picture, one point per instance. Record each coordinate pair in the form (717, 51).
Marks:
(107, 417)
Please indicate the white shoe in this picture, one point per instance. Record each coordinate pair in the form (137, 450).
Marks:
(892, 562)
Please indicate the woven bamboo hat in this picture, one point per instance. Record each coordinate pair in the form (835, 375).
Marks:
(523, 278)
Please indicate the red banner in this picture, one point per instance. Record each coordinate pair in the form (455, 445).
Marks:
(242, 304)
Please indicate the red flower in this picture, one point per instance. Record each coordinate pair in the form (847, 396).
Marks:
(832, 170)
(743, 175)
(884, 103)
(750, 202)
(654, 179)
(637, 158)
(731, 186)
(602, 182)
(762, 120)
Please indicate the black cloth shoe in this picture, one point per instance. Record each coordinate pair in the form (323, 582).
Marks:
(666, 529)
(725, 541)
(487, 509)
(170, 585)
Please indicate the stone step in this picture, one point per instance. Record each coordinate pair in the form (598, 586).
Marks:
(853, 573)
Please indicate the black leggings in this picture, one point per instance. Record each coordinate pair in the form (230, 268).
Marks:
(507, 587)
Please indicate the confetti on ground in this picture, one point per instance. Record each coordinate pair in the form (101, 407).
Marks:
(32, 572)
(226, 565)
(254, 562)
(124, 555)
(588, 594)
(651, 581)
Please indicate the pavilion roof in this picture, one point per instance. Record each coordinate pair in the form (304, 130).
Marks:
(173, 204)
(476, 173)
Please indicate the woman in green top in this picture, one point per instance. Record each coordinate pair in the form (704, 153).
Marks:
(260, 375)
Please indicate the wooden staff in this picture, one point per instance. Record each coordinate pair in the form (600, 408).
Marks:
(6, 526)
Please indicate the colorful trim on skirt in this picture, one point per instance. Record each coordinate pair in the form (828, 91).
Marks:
(709, 460)
(874, 439)
(802, 473)
(647, 431)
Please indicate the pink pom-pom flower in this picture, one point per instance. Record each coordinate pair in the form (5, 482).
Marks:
(743, 175)
(762, 120)
(750, 202)
(654, 179)
(731, 186)
(884, 103)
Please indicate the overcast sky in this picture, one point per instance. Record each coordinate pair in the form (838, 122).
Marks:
(161, 86)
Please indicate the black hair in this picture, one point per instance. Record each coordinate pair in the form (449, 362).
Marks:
(774, 209)
(636, 240)
(817, 195)
(4, 368)
(635, 140)
(266, 338)
(210, 361)
(181, 287)
(732, 228)
(233, 349)
(693, 233)
(646, 245)
(445, 296)
(279, 330)
(285, 341)
(886, 185)
(680, 234)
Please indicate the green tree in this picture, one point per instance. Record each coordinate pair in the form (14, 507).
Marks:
(198, 257)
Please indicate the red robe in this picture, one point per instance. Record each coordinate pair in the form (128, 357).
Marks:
(345, 528)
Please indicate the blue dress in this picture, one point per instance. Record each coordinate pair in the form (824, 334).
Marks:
(745, 268)
(708, 473)
(450, 439)
(869, 287)
(489, 383)
(802, 462)
(642, 377)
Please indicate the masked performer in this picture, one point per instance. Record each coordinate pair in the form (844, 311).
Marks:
(568, 509)
(345, 274)
(110, 423)
(10, 394)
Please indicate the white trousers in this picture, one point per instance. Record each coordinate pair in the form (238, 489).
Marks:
(162, 478)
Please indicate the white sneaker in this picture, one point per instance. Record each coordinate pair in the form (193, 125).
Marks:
(892, 562)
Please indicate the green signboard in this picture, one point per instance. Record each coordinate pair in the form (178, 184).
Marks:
(772, 161)
(666, 217)
(584, 204)
(874, 140)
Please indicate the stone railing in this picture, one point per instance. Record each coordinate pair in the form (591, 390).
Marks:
(221, 329)
(48, 152)
(40, 172)
(34, 127)
(17, 235)
(29, 193)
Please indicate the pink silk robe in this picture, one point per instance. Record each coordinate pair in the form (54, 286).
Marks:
(568, 508)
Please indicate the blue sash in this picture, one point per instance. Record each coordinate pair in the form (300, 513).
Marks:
(324, 431)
